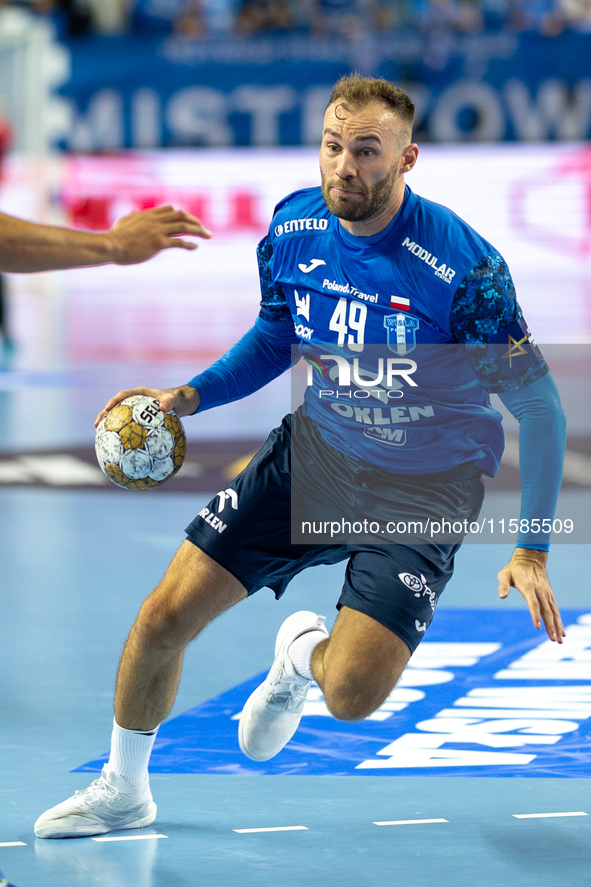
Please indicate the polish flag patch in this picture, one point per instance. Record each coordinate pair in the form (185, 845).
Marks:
(400, 303)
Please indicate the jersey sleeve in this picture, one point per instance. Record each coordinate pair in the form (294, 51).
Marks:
(542, 440)
(486, 320)
(261, 355)
(274, 307)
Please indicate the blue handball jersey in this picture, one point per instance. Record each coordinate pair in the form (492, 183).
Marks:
(406, 333)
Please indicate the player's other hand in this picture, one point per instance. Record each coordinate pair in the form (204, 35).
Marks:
(140, 235)
(526, 571)
(184, 401)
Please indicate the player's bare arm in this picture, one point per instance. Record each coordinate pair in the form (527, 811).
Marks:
(140, 235)
(27, 247)
(526, 571)
(184, 400)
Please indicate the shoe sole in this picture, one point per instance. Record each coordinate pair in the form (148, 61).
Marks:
(282, 635)
(87, 831)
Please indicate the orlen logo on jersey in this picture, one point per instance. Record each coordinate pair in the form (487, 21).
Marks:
(293, 225)
(446, 274)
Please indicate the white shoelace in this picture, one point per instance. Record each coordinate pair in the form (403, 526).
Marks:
(289, 694)
(99, 785)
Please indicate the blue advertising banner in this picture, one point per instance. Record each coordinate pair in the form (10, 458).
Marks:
(146, 93)
(486, 695)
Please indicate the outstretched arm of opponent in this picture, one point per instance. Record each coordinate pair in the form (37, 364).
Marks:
(263, 354)
(26, 246)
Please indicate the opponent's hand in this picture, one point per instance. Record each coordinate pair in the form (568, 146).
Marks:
(140, 235)
(526, 571)
(184, 401)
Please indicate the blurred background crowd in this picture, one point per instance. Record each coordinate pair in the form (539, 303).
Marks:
(202, 19)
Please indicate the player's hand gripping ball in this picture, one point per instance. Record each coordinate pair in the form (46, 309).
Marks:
(138, 446)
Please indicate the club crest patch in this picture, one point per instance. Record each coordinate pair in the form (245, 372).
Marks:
(401, 329)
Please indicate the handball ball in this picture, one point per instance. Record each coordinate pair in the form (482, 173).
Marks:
(138, 446)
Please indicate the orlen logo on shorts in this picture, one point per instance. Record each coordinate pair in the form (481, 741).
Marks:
(441, 270)
(293, 225)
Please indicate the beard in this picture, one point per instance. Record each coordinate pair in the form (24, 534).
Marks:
(376, 199)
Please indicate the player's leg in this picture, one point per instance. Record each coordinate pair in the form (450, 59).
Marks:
(359, 665)
(390, 594)
(386, 605)
(356, 667)
(194, 590)
(239, 543)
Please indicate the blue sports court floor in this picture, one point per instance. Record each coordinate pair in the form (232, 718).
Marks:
(433, 802)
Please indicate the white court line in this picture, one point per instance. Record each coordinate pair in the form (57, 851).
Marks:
(408, 821)
(544, 815)
(279, 828)
(13, 844)
(130, 838)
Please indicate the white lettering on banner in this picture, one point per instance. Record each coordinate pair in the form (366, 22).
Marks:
(197, 115)
(264, 104)
(201, 114)
(495, 732)
(432, 654)
(435, 654)
(398, 700)
(102, 127)
(422, 750)
(146, 125)
(569, 661)
(501, 717)
(530, 697)
(475, 96)
(556, 110)
(312, 114)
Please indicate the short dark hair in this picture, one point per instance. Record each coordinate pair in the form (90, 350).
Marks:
(358, 91)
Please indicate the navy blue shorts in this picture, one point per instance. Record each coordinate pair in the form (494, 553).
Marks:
(249, 528)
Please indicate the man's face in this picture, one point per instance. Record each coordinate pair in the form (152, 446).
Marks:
(363, 156)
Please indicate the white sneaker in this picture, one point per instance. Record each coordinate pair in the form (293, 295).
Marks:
(273, 711)
(107, 805)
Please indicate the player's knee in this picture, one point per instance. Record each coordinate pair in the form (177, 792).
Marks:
(348, 702)
(160, 622)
